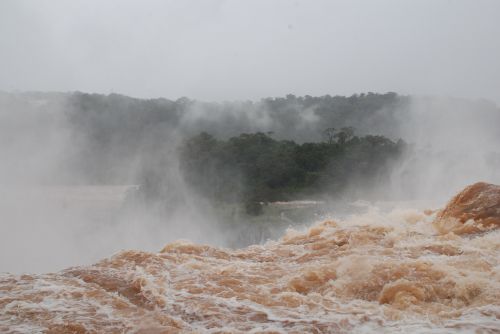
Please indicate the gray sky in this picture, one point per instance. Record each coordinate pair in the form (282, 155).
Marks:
(216, 50)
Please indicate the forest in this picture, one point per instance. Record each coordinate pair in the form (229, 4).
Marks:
(248, 152)
(255, 168)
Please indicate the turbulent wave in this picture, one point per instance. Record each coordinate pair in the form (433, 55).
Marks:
(406, 270)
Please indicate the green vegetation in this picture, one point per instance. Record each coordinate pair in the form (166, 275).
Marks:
(116, 139)
(279, 148)
(255, 168)
(115, 131)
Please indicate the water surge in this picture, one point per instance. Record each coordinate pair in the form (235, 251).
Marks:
(406, 270)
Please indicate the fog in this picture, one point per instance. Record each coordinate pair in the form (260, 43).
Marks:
(456, 144)
(55, 214)
(224, 50)
(72, 172)
(71, 175)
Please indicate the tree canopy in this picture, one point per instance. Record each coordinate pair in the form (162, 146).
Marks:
(255, 167)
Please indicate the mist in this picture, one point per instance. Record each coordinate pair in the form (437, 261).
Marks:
(326, 166)
(75, 164)
(220, 50)
(65, 199)
(455, 144)
(94, 109)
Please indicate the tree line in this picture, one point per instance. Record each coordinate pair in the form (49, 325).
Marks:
(255, 168)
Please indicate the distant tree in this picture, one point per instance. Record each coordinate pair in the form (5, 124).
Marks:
(344, 135)
(329, 135)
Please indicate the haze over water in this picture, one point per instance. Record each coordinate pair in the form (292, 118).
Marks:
(299, 201)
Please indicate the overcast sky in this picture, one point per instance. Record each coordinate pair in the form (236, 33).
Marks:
(226, 50)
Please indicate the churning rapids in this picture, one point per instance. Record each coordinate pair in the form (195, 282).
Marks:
(406, 271)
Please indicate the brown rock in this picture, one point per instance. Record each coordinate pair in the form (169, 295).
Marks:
(475, 209)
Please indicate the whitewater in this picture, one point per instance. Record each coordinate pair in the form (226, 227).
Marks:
(407, 270)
